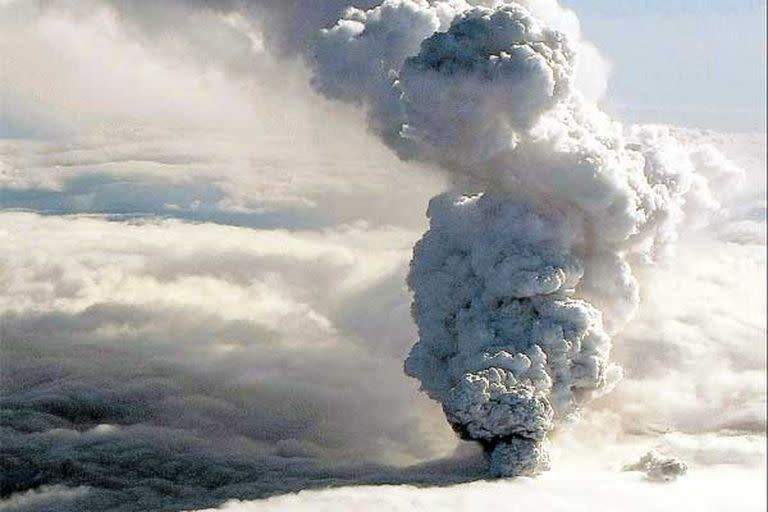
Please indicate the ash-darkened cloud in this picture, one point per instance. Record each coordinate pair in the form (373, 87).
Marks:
(146, 402)
(527, 268)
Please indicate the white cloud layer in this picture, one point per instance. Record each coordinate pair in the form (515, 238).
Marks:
(710, 490)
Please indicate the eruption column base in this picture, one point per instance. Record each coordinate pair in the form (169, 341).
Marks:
(517, 456)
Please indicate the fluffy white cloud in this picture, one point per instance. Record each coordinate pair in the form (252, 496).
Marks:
(709, 490)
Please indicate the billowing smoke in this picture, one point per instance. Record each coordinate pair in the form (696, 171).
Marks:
(525, 271)
(659, 468)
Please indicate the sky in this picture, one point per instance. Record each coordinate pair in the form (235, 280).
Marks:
(203, 298)
(691, 62)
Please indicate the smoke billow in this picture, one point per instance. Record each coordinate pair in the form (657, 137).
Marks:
(525, 272)
(659, 468)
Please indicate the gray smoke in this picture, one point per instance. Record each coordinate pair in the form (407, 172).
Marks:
(503, 346)
(659, 468)
(525, 271)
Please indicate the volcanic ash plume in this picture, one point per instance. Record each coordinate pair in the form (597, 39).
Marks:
(525, 269)
(659, 468)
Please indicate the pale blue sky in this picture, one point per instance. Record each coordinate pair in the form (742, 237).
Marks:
(691, 62)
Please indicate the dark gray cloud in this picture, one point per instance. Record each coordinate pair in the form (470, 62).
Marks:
(119, 416)
(288, 27)
(144, 403)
